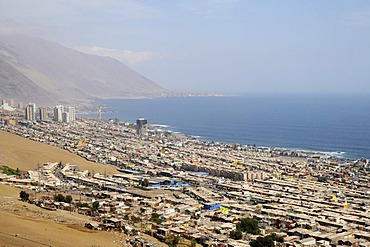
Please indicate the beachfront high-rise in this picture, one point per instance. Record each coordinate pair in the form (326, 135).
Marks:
(141, 126)
(31, 112)
(58, 111)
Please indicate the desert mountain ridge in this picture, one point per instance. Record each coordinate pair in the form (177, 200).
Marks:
(32, 69)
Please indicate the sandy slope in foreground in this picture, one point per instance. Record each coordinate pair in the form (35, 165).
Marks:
(23, 224)
(22, 153)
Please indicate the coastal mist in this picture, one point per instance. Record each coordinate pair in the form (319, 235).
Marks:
(337, 125)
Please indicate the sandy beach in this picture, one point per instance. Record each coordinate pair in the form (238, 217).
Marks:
(25, 154)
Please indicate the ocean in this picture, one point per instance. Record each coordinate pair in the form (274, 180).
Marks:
(337, 125)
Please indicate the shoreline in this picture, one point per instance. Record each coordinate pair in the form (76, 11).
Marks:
(318, 141)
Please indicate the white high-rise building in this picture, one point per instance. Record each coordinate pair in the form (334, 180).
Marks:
(31, 112)
(72, 113)
(58, 111)
(42, 113)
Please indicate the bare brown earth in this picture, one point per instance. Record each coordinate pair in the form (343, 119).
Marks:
(23, 224)
(25, 154)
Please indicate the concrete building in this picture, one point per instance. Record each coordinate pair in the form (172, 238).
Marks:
(31, 112)
(42, 113)
(58, 110)
(72, 114)
(11, 102)
(3, 101)
(66, 117)
(141, 126)
(20, 105)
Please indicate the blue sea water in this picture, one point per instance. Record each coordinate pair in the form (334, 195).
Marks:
(333, 124)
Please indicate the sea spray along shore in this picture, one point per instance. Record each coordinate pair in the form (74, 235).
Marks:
(182, 186)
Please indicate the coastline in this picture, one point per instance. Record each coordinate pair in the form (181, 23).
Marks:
(330, 132)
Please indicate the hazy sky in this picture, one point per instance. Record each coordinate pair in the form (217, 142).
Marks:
(229, 46)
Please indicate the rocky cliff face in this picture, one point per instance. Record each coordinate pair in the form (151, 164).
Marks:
(32, 69)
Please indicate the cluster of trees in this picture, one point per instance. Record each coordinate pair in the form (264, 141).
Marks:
(61, 198)
(10, 171)
(250, 226)
(24, 196)
(247, 225)
(155, 218)
(267, 241)
(173, 240)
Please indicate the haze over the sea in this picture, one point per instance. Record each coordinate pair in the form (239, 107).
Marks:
(218, 46)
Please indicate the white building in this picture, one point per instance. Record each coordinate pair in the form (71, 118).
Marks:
(31, 112)
(72, 113)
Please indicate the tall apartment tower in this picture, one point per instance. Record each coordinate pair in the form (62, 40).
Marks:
(11, 102)
(66, 117)
(20, 105)
(3, 101)
(72, 114)
(99, 114)
(42, 113)
(58, 111)
(31, 112)
(141, 129)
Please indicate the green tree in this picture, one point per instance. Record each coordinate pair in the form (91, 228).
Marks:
(262, 242)
(193, 243)
(155, 218)
(95, 206)
(145, 182)
(10, 171)
(82, 205)
(276, 238)
(24, 196)
(267, 241)
(59, 198)
(248, 225)
(322, 179)
(236, 234)
(173, 240)
(68, 199)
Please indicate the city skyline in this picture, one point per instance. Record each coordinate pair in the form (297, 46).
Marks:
(225, 46)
